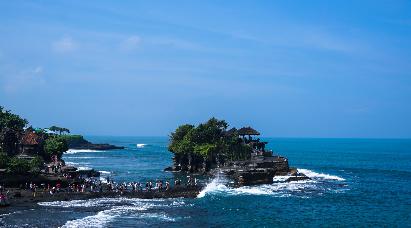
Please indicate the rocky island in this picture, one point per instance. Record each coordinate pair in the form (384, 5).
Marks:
(78, 142)
(211, 148)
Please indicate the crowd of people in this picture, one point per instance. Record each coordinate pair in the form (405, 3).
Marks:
(96, 185)
(93, 185)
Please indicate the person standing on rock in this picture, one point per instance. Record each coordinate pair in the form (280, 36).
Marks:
(33, 190)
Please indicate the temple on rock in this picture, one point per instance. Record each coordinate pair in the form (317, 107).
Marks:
(262, 165)
(258, 146)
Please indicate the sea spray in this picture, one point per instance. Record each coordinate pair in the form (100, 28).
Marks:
(314, 175)
(218, 184)
(75, 151)
(141, 145)
(319, 184)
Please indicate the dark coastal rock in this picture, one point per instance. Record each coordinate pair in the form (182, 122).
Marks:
(27, 200)
(168, 169)
(254, 171)
(298, 177)
(91, 146)
(19, 180)
(78, 142)
(260, 170)
(88, 173)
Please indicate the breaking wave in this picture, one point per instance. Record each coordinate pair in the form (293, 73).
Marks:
(313, 175)
(104, 172)
(141, 145)
(104, 217)
(320, 183)
(75, 151)
(76, 157)
(141, 209)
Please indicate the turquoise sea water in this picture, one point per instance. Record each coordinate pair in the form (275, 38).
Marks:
(355, 182)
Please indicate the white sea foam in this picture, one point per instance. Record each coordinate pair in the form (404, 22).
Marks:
(72, 163)
(141, 145)
(315, 175)
(75, 151)
(281, 178)
(160, 216)
(95, 202)
(275, 189)
(98, 220)
(11, 213)
(86, 157)
(104, 172)
(115, 207)
(216, 185)
(280, 188)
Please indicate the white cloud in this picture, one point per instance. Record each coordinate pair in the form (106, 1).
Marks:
(24, 80)
(64, 45)
(131, 43)
(38, 70)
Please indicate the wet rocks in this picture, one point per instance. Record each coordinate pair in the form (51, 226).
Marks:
(92, 146)
(261, 170)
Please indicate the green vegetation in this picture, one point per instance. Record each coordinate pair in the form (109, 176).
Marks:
(36, 164)
(73, 140)
(60, 130)
(206, 145)
(41, 145)
(11, 127)
(19, 166)
(4, 160)
(55, 146)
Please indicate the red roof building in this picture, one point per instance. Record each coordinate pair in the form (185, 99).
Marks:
(30, 143)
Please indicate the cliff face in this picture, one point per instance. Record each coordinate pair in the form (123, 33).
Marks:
(257, 170)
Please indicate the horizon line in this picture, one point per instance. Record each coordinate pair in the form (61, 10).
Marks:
(279, 137)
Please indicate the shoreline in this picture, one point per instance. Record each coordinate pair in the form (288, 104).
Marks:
(26, 199)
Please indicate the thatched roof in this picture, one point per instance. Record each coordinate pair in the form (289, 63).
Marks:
(247, 131)
(30, 138)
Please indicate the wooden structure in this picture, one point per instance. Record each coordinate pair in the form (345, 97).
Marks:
(30, 143)
(247, 131)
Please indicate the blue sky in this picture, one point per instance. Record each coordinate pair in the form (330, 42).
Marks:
(288, 68)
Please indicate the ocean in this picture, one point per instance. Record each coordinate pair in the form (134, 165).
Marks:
(355, 182)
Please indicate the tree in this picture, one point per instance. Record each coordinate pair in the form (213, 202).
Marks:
(55, 146)
(65, 130)
(4, 160)
(54, 129)
(11, 127)
(177, 137)
(60, 130)
(19, 166)
(207, 144)
(36, 164)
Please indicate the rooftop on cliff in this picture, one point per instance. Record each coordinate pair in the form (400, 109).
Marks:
(210, 144)
(247, 131)
(30, 138)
